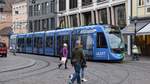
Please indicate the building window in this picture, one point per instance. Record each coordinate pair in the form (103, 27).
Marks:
(120, 15)
(87, 18)
(86, 2)
(45, 24)
(52, 6)
(101, 0)
(148, 10)
(103, 16)
(53, 23)
(62, 5)
(30, 26)
(16, 12)
(73, 20)
(73, 4)
(141, 2)
(46, 7)
(1, 9)
(30, 10)
(36, 10)
(62, 22)
(147, 2)
(43, 10)
(36, 26)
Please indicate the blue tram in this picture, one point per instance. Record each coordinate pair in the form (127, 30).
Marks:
(13, 41)
(49, 43)
(63, 36)
(38, 42)
(100, 42)
(29, 43)
(21, 43)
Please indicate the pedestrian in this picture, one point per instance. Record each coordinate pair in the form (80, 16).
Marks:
(60, 52)
(76, 58)
(136, 53)
(64, 57)
(83, 66)
(14, 49)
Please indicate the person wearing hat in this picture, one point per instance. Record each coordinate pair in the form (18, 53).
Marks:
(65, 56)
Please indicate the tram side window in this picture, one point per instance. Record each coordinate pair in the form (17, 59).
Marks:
(83, 41)
(86, 41)
(35, 42)
(39, 41)
(101, 40)
(61, 40)
(73, 41)
(21, 42)
(49, 41)
(29, 42)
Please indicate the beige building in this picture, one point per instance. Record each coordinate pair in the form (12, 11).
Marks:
(74, 13)
(19, 17)
(5, 27)
(138, 29)
(5, 23)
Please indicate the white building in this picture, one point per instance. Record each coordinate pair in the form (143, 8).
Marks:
(19, 17)
(85, 12)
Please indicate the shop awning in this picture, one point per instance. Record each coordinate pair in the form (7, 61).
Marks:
(130, 29)
(145, 30)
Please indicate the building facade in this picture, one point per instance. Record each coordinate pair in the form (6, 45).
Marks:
(41, 15)
(75, 13)
(2, 3)
(138, 25)
(5, 23)
(19, 17)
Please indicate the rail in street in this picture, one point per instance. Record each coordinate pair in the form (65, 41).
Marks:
(45, 71)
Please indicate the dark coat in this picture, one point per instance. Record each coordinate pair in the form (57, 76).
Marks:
(77, 55)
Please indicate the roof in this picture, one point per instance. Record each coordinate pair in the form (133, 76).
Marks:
(6, 31)
(132, 28)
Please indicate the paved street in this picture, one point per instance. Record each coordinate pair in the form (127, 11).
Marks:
(35, 69)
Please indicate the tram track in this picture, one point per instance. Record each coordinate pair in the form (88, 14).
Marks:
(106, 72)
(131, 68)
(127, 69)
(33, 72)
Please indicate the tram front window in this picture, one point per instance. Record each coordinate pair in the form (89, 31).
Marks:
(116, 42)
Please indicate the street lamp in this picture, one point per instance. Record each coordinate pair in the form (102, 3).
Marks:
(135, 23)
(134, 47)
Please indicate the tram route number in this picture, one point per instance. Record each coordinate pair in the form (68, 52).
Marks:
(100, 53)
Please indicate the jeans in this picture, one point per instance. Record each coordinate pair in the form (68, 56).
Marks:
(82, 72)
(135, 57)
(76, 75)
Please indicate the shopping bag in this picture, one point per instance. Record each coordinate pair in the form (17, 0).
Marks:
(63, 60)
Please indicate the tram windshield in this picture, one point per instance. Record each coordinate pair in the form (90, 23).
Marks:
(115, 41)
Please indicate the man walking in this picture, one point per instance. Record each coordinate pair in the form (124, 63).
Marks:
(77, 57)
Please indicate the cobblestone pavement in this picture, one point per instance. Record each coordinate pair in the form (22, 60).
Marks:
(43, 70)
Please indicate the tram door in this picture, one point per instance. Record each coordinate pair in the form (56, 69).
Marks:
(60, 41)
(101, 51)
(21, 44)
(86, 41)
